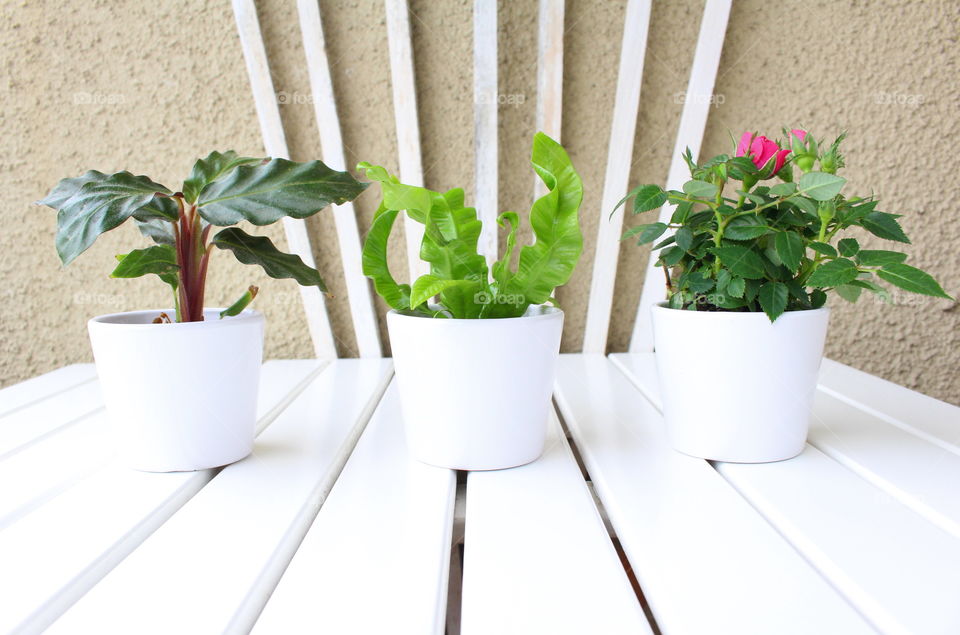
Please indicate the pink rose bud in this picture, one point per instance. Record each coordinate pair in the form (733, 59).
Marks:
(799, 134)
(761, 150)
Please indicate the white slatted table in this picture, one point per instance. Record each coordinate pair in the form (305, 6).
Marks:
(330, 527)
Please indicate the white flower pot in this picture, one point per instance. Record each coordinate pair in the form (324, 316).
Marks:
(475, 394)
(179, 396)
(734, 386)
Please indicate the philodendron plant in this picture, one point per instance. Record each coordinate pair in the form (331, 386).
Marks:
(459, 275)
(742, 243)
(222, 190)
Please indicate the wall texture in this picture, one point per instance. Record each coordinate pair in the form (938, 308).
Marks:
(150, 86)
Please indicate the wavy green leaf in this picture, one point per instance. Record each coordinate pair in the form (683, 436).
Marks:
(263, 194)
(375, 266)
(159, 259)
(260, 250)
(212, 168)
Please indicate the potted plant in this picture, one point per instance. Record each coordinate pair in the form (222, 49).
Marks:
(476, 369)
(748, 265)
(180, 384)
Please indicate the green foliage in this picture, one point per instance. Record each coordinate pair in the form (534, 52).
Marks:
(459, 276)
(222, 189)
(736, 242)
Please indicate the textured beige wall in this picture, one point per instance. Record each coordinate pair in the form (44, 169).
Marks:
(150, 86)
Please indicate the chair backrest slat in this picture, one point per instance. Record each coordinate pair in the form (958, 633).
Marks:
(693, 122)
(359, 295)
(549, 74)
(485, 122)
(619, 153)
(409, 156)
(271, 127)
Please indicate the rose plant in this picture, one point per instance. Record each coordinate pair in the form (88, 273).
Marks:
(772, 246)
(221, 190)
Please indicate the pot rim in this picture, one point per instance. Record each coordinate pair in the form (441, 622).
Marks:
(109, 320)
(547, 312)
(661, 307)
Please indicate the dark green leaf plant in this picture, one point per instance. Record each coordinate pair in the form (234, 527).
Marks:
(222, 190)
(459, 276)
(741, 242)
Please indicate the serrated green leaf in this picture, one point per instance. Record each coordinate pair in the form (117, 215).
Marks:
(849, 292)
(885, 226)
(823, 248)
(260, 250)
(671, 256)
(783, 189)
(214, 167)
(790, 248)
(879, 257)
(648, 197)
(700, 189)
(648, 233)
(773, 299)
(821, 186)
(263, 194)
(804, 204)
(684, 237)
(746, 227)
(912, 279)
(681, 213)
(736, 287)
(848, 247)
(741, 261)
(833, 273)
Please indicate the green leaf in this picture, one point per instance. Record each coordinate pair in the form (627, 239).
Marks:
(158, 259)
(849, 292)
(783, 189)
(773, 299)
(790, 248)
(94, 203)
(427, 286)
(374, 258)
(912, 279)
(648, 233)
(746, 227)
(736, 287)
(649, 197)
(885, 226)
(684, 238)
(501, 269)
(741, 261)
(848, 247)
(700, 189)
(259, 250)
(833, 273)
(805, 204)
(821, 186)
(823, 248)
(241, 303)
(681, 213)
(879, 257)
(263, 194)
(158, 230)
(214, 167)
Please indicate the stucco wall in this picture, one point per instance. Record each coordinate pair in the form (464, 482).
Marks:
(150, 86)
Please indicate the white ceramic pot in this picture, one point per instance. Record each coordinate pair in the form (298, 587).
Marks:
(734, 386)
(475, 394)
(179, 396)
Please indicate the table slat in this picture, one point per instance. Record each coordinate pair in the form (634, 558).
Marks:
(376, 558)
(44, 386)
(212, 566)
(33, 421)
(537, 557)
(706, 560)
(52, 555)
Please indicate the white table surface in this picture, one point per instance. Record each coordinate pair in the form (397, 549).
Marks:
(329, 527)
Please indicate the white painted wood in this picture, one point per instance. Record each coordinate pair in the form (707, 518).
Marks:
(376, 558)
(241, 530)
(936, 421)
(619, 161)
(537, 556)
(403, 81)
(693, 121)
(549, 74)
(53, 554)
(31, 422)
(44, 386)
(705, 559)
(485, 131)
(331, 142)
(840, 520)
(275, 143)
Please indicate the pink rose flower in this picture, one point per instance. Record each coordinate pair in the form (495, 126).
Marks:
(760, 150)
(799, 134)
